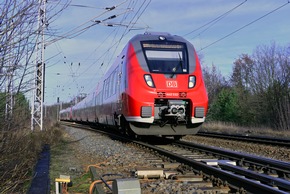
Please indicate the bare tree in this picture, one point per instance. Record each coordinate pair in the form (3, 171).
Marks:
(240, 81)
(242, 72)
(17, 34)
(263, 84)
(272, 76)
(214, 81)
(18, 38)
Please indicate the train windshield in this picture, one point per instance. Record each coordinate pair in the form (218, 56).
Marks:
(166, 57)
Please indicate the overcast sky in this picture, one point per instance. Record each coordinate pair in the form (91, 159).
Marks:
(220, 30)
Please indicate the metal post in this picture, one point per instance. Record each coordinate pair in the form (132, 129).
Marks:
(8, 67)
(9, 95)
(38, 94)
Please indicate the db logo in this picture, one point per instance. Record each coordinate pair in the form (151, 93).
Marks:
(171, 84)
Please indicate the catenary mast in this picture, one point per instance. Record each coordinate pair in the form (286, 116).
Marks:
(39, 73)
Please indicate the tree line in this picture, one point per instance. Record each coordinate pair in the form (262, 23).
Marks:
(257, 93)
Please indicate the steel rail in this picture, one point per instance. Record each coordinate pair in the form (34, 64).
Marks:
(234, 180)
(282, 183)
(277, 165)
(285, 142)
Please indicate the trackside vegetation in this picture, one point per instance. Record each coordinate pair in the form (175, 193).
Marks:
(257, 93)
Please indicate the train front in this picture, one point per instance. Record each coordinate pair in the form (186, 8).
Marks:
(165, 92)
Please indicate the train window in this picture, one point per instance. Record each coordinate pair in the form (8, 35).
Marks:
(111, 85)
(100, 97)
(166, 57)
(106, 89)
(114, 82)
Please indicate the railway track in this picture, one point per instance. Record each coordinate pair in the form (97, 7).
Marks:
(227, 170)
(285, 142)
(254, 174)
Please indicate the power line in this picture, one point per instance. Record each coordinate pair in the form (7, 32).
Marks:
(116, 43)
(128, 26)
(214, 21)
(237, 30)
(87, 6)
(77, 31)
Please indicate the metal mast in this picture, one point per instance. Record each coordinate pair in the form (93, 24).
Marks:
(39, 74)
(8, 67)
(9, 94)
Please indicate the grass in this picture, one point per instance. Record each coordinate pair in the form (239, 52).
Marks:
(65, 160)
(19, 151)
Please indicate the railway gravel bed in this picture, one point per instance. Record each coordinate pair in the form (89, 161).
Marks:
(113, 157)
(269, 151)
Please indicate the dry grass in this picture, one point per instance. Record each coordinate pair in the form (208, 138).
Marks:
(230, 128)
(19, 152)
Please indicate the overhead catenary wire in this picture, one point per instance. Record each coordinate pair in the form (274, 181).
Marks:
(114, 43)
(85, 28)
(128, 28)
(93, 24)
(244, 26)
(80, 29)
(87, 6)
(214, 21)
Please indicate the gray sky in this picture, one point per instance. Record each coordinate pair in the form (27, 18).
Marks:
(220, 30)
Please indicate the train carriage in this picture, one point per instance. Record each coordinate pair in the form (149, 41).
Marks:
(155, 87)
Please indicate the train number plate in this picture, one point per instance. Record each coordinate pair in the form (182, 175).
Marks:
(171, 84)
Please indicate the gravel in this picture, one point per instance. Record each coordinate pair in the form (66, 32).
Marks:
(90, 148)
(273, 152)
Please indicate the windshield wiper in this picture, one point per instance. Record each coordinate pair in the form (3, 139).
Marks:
(177, 66)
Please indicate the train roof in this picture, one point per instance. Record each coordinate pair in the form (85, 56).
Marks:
(157, 36)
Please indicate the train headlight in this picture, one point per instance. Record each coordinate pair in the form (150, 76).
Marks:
(149, 81)
(191, 81)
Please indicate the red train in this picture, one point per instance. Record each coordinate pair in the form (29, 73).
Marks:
(155, 87)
